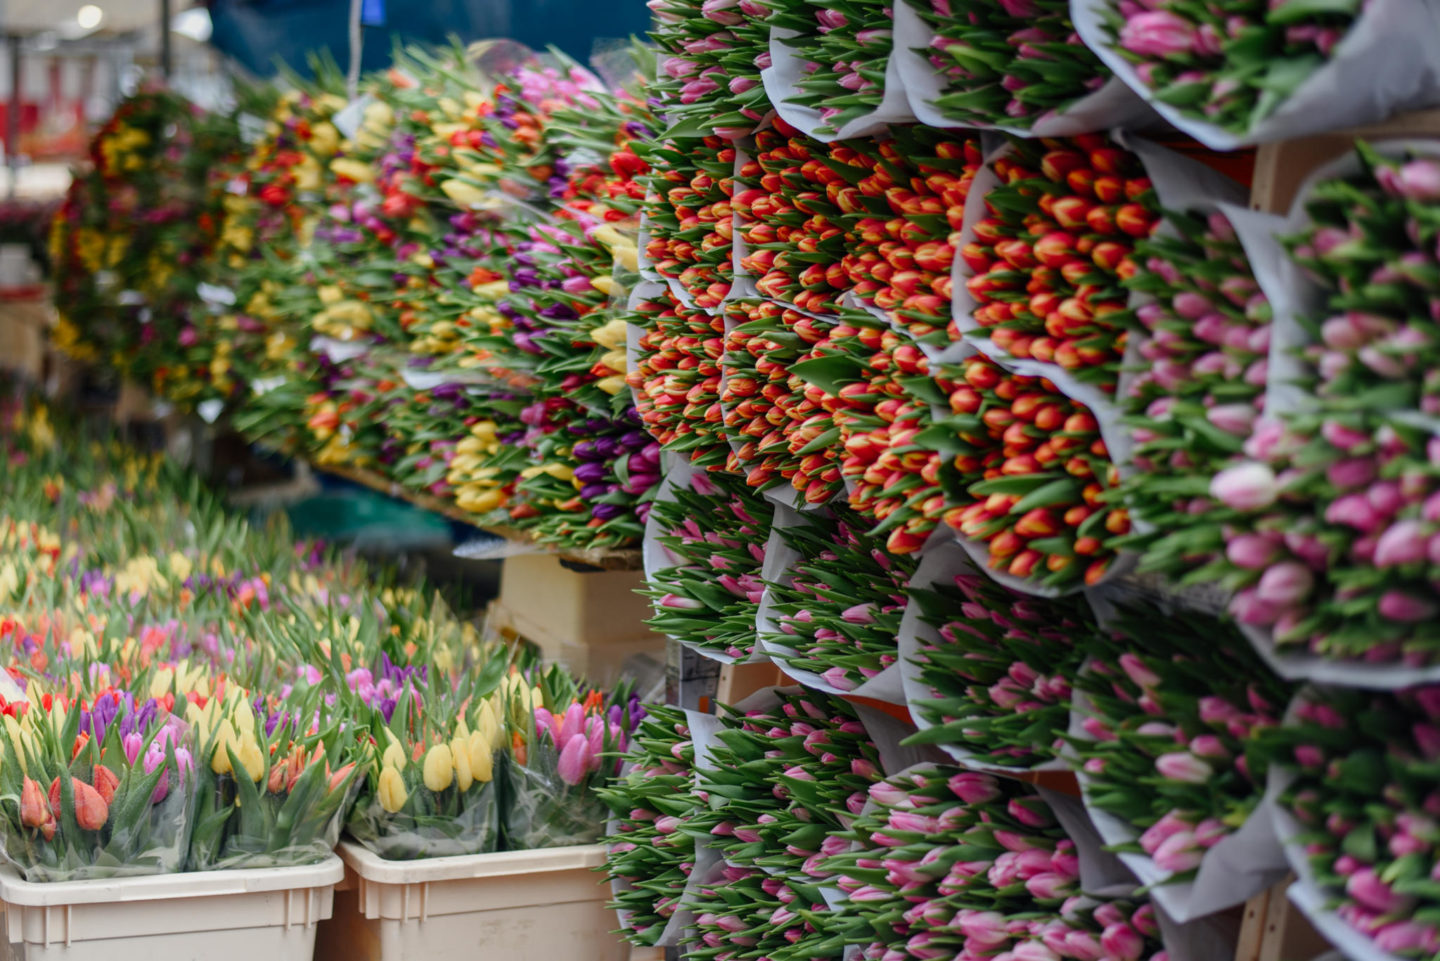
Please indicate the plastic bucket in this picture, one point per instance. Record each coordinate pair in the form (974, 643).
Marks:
(538, 905)
(258, 914)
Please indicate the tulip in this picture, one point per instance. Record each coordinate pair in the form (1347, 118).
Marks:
(1285, 584)
(1183, 766)
(439, 768)
(1246, 487)
(1157, 33)
(391, 790)
(91, 811)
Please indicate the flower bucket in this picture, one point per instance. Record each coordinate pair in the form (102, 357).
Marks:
(239, 915)
(507, 906)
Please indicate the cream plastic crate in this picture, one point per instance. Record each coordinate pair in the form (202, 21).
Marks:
(259, 914)
(546, 905)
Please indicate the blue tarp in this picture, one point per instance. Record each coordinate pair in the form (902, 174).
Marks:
(256, 32)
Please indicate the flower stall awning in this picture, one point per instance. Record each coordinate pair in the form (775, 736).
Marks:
(261, 33)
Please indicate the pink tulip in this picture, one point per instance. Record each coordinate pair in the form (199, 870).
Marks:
(1249, 608)
(1404, 542)
(1208, 745)
(1351, 473)
(830, 20)
(1399, 606)
(1354, 510)
(971, 787)
(1122, 942)
(1179, 852)
(1366, 887)
(1246, 487)
(1251, 551)
(985, 928)
(1232, 418)
(1183, 766)
(1418, 180)
(574, 760)
(1285, 584)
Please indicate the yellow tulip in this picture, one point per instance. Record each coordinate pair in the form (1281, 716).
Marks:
(351, 169)
(251, 758)
(460, 754)
(611, 385)
(439, 768)
(614, 359)
(627, 256)
(392, 790)
(608, 236)
(560, 471)
(324, 139)
(611, 335)
(466, 195)
(394, 756)
(220, 760)
(604, 283)
(482, 759)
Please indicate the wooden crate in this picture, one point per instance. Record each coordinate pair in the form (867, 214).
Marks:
(1280, 168)
(24, 332)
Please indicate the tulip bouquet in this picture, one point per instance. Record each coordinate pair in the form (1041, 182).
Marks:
(842, 52)
(874, 381)
(1174, 711)
(793, 234)
(783, 779)
(94, 791)
(689, 219)
(994, 670)
(1327, 550)
(1230, 69)
(1205, 334)
(585, 493)
(778, 428)
(562, 754)
(429, 785)
(1014, 64)
(712, 530)
(1035, 472)
(274, 781)
(742, 912)
(710, 80)
(904, 198)
(650, 853)
(1369, 248)
(836, 610)
(1355, 771)
(1045, 265)
(956, 862)
(676, 376)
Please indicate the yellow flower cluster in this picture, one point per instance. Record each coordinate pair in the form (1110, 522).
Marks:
(478, 489)
(466, 758)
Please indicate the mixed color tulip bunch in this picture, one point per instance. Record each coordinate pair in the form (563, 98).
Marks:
(838, 607)
(650, 849)
(1204, 334)
(778, 426)
(689, 216)
(1360, 787)
(1048, 260)
(956, 863)
(1233, 69)
(714, 531)
(1012, 64)
(999, 673)
(1175, 713)
(96, 789)
(1370, 247)
(1034, 472)
(676, 377)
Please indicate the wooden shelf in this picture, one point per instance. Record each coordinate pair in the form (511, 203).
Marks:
(627, 559)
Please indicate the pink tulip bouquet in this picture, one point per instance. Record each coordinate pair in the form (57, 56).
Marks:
(745, 913)
(1370, 248)
(570, 747)
(996, 676)
(1332, 542)
(1007, 64)
(101, 791)
(838, 608)
(651, 852)
(1358, 770)
(1204, 337)
(844, 48)
(790, 777)
(709, 77)
(715, 530)
(1232, 68)
(956, 863)
(1173, 709)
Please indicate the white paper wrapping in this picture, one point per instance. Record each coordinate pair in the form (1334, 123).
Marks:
(1388, 62)
(781, 80)
(1113, 105)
